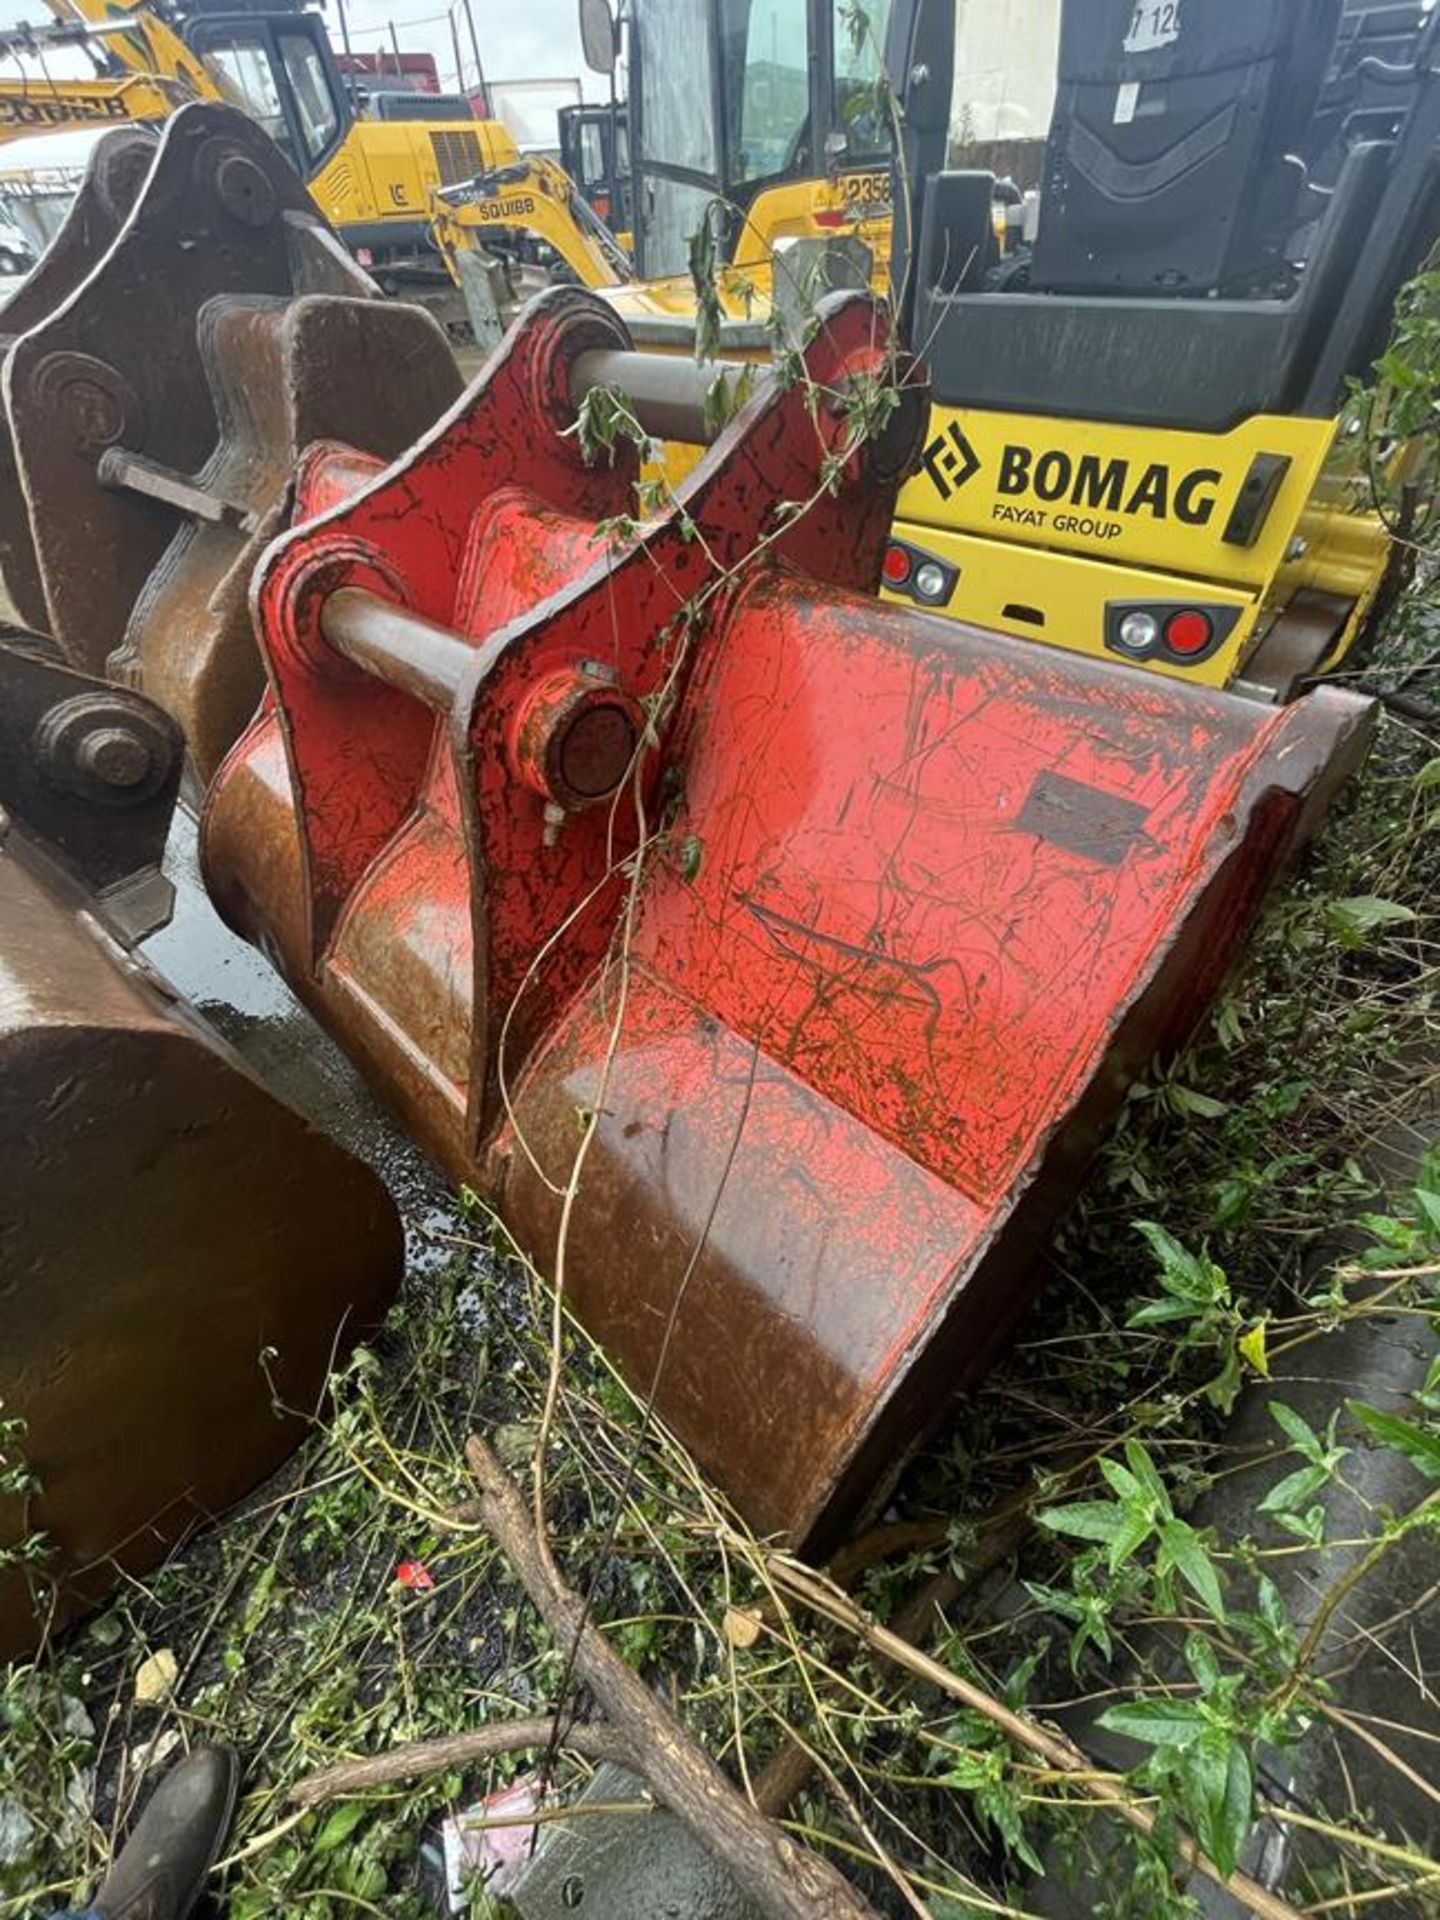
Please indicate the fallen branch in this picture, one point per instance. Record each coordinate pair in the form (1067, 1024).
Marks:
(1026, 1734)
(786, 1881)
(459, 1750)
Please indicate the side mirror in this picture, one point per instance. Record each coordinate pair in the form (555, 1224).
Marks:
(597, 35)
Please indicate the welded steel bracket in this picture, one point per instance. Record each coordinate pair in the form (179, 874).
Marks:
(88, 778)
(114, 173)
(283, 374)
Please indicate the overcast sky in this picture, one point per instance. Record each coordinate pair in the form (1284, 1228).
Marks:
(519, 39)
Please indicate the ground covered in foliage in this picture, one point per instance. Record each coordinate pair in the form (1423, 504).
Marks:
(1208, 1251)
(1268, 1195)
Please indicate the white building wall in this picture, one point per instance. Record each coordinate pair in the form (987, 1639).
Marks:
(1005, 56)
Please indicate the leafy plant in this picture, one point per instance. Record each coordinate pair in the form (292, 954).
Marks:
(1288, 1498)
(1195, 1298)
(1200, 1753)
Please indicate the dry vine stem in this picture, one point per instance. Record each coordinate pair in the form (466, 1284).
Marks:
(786, 1776)
(786, 1881)
(1057, 1752)
(460, 1750)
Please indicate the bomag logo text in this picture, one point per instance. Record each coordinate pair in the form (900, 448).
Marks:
(54, 113)
(1107, 486)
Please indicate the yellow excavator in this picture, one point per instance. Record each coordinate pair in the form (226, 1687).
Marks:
(765, 127)
(379, 181)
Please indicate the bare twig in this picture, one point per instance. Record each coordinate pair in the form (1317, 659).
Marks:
(1421, 1863)
(1345, 1586)
(1353, 1727)
(422, 1757)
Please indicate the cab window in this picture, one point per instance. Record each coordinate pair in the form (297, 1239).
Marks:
(766, 55)
(245, 64)
(592, 155)
(862, 114)
(315, 107)
(673, 45)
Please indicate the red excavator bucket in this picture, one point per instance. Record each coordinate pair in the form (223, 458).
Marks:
(182, 1258)
(813, 941)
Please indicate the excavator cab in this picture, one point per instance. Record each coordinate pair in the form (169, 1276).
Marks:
(595, 152)
(762, 115)
(376, 176)
(279, 69)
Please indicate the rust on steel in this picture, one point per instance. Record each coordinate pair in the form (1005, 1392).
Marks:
(158, 412)
(284, 375)
(182, 1258)
(114, 172)
(847, 967)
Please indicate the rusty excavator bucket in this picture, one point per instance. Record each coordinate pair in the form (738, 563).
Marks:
(114, 173)
(182, 1258)
(167, 375)
(813, 940)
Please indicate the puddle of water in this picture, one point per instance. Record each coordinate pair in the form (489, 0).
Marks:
(250, 1006)
(200, 956)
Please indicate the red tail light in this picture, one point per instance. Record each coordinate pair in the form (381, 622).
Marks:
(1168, 631)
(897, 565)
(1189, 632)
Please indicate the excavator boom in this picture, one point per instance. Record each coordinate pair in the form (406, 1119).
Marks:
(148, 71)
(535, 195)
(59, 106)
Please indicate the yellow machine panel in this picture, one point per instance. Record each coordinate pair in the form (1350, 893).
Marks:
(1114, 519)
(846, 204)
(1066, 600)
(1220, 507)
(388, 169)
